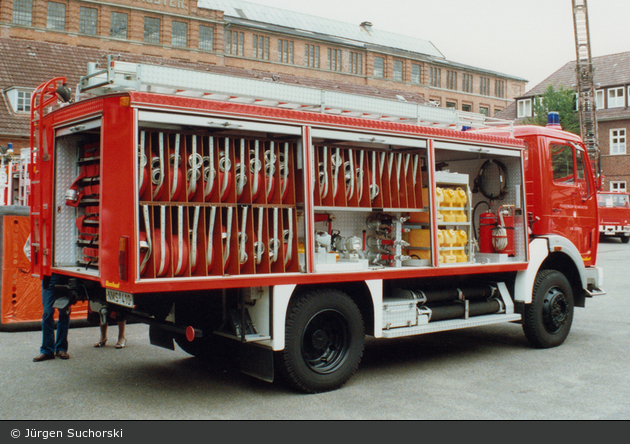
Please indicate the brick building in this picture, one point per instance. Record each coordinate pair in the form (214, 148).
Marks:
(612, 80)
(43, 39)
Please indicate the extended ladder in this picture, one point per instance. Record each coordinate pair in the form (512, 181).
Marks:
(120, 75)
(585, 84)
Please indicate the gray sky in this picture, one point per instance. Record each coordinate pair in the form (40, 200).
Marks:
(529, 39)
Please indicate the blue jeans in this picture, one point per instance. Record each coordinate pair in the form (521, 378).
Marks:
(49, 295)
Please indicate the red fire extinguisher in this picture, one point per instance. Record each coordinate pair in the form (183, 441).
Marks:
(496, 234)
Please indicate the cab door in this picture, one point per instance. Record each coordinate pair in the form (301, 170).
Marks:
(573, 203)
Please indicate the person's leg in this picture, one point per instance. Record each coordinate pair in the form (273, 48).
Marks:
(48, 322)
(63, 323)
(122, 340)
(103, 340)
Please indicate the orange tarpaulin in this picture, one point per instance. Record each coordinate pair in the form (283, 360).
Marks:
(21, 297)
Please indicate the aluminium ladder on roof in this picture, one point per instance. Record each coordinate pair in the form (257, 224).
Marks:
(587, 108)
(120, 75)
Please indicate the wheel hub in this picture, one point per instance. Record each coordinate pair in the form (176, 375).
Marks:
(555, 310)
(320, 340)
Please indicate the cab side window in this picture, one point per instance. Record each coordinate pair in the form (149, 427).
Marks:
(581, 174)
(563, 164)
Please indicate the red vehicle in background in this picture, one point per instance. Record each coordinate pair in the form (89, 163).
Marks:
(614, 215)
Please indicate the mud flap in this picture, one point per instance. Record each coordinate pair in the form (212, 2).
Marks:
(257, 361)
(161, 337)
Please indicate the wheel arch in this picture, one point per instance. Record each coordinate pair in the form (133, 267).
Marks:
(362, 293)
(552, 253)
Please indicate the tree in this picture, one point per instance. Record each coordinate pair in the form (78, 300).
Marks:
(562, 101)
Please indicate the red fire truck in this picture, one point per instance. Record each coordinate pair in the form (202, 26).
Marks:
(288, 223)
(614, 215)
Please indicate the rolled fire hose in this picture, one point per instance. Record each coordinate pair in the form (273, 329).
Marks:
(182, 253)
(228, 236)
(195, 162)
(208, 172)
(178, 178)
(274, 241)
(270, 170)
(240, 171)
(349, 175)
(373, 187)
(255, 167)
(157, 170)
(242, 237)
(336, 162)
(284, 172)
(161, 248)
(143, 173)
(259, 246)
(147, 243)
(360, 176)
(209, 251)
(288, 239)
(225, 166)
(323, 175)
(193, 240)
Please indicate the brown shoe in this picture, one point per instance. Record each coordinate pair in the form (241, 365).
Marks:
(62, 354)
(43, 357)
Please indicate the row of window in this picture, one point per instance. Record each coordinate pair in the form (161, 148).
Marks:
(235, 45)
(604, 99)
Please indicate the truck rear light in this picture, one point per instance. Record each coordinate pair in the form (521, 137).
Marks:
(190, 333)
(123, 247)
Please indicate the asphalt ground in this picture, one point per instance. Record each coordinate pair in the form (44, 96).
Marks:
(484, 373)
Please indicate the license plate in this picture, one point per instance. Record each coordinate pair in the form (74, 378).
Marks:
(120, 298)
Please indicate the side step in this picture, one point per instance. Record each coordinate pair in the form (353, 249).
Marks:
(451, 324)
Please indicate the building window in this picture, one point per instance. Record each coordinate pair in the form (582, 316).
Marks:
(618, 186)
(88, 20)
(56, 16)
(617, 141)
(416, 74)
(379, 67)
(206, 38)
(20, 99)
(23, 12)
(467, 107)
(234, 43)
(179, 36)
(356, 63)
(285, 51)
(451, 80)
(524, 108)
(599, 99)
(499, 88)
(334, 59)
(311, 56)
(484, 86)
(467, 83)
(451, 105)
(398, 71)
(484, 110)
(260, 47)
(616, 98)
(435, 77)
(118, 26)
(152, 30)
(497, 110)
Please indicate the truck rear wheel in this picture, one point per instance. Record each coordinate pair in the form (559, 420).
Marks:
(547, 320)
(624, 239)
(323, 341)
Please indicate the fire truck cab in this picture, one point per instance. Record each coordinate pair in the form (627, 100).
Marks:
(292, 224)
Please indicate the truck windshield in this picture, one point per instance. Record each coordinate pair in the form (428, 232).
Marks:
(613, 200)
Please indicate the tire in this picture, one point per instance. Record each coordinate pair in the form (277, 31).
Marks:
(547, 320)
(624, 239)
(324, 341)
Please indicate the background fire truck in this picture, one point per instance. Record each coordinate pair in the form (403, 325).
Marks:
(287, 223)
(614, 215)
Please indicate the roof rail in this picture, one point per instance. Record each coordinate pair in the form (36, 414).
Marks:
(119, 76)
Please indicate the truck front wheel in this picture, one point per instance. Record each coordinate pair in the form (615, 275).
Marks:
(323, 341)
(547, 320)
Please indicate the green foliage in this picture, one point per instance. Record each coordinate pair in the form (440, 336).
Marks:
(562, 101)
